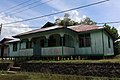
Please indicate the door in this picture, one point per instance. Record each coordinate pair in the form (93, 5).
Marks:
(2, 52)
(36, 48)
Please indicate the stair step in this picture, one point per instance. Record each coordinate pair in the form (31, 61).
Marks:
(15, 67)
(17, 64)
(12, 72)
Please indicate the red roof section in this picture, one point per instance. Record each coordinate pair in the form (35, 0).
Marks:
(39, 30)
(82, 28)
(76, 28)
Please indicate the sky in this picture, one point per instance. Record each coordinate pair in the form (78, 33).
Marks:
(104, 12)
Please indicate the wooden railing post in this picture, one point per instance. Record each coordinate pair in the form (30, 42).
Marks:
(62, 46)
(46, 42)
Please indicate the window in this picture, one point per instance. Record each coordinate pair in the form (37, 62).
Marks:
(81, 40)
(84, 40)
(109, 42)
(14, 46)
(68, 41)
(22, 45)
(87, 40)
(28, 44)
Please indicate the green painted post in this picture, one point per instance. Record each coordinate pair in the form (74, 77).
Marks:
(103, 42)
(46, 43)
(62, 46)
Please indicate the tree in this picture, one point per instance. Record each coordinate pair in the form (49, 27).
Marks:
(66, 21)
(87, 21)
(116, 37)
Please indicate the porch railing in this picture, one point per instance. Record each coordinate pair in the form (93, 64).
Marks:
(57, 51)
(26, 52)
(68, 51)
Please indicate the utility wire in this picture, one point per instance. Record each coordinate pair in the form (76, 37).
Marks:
(31, 7)
(22, 26)
(114, 22)
(14, 6)
(22, 7)
(57, 12)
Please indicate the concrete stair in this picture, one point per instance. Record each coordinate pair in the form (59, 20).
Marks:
(14, 68)
(11, 72)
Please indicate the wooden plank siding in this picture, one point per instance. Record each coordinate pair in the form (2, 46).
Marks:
(51, 51)
(96, 43)
(19, 52)
(14, 53)
(107, 51)
(67, 51)
(99, 45)
(26, 52)
(96, 48)
(57, 51)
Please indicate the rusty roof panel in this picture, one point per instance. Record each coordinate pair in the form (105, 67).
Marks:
(77, 28)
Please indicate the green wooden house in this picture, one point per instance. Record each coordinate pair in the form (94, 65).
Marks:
(4, 47)
(62, 41)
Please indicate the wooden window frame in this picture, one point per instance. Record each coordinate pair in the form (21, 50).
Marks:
(84, 40)
(14, 46)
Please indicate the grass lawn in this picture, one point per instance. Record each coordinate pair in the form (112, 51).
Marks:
(115, 60)
(78, 61)
(6, 61)
(41, 76)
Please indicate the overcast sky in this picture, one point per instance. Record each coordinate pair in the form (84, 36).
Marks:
(104, 12)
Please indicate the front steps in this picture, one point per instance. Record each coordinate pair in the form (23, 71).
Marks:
(14, 68)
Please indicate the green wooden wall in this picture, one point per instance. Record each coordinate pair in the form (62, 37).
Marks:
(108, 51)
(99, 43)
(14, 53)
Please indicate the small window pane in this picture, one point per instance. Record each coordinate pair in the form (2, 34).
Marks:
(84, 40)
(87, 40)
(14, 46)
(81, 40)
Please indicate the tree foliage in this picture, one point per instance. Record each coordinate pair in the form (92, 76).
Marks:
(87, 21)
(66, 21)
(116, 37)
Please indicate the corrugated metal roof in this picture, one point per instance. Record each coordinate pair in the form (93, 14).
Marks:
(77, 28)
(39, 30)
(4, 40)
(14, 40)
(82, 28)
